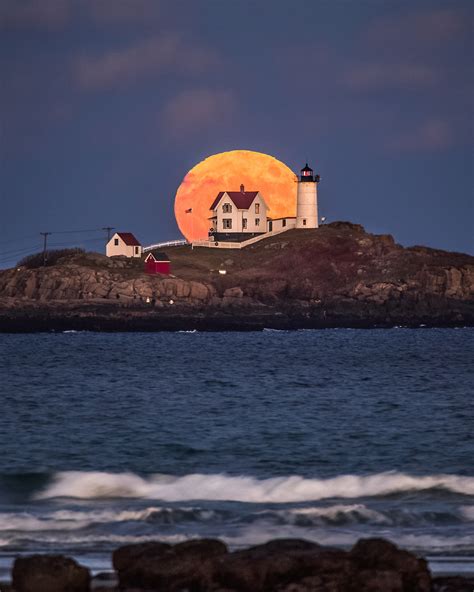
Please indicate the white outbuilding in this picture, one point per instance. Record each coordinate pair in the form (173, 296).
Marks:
(124, 244)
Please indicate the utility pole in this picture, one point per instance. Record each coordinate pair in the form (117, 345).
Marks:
(45, 242)
(109, 229)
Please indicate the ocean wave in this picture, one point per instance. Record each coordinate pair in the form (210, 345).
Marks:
(221, 487)
(89, 541)
(350, 515)
(338, 514)
(420, 543)
(468, 513)
(66, 520)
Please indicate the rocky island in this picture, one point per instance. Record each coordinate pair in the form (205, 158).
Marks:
(338, 275)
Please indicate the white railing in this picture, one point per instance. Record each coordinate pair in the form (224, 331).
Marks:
(173, 243)
(217, 244)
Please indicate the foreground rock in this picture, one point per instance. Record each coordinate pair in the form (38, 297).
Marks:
(165, 567)
(335, 276)
(287, 565)
(49, 573)
(206, 565)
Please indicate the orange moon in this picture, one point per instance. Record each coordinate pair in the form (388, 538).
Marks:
(226, 171)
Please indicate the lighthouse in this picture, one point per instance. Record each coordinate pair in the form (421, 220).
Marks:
(307, 199)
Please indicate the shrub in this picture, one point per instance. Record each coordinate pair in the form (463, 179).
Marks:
(52, 257)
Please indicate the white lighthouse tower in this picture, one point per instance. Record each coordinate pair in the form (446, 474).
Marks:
(307, 199)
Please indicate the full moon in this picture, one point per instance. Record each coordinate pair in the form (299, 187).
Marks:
(226, 171)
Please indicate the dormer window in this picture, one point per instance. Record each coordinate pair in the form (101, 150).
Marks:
(227, 208)
(257, 208)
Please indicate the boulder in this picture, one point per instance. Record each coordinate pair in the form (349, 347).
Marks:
(199, 291)
(185, 565)
(277, 564)
(378, 560)
(233, 293)
(49, 573)
(124, 557)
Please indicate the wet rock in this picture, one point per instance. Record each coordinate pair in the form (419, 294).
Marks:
(385, 562)
(276, 564)
(124, 557)
(185, 565)
(49, 573)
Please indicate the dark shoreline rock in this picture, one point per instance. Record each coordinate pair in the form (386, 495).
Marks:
(49, 573)
(206, 565)
(77, 316)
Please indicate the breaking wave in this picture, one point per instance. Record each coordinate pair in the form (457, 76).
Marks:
(221, 487)
(333, 515)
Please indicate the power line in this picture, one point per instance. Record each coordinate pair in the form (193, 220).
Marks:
(76, 231)
(12, 257)
(18, 250)
(17, 240)
(25, 238)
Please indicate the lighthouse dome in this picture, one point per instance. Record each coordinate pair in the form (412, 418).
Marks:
(307, 173)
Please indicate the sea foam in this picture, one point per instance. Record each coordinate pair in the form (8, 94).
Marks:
(221, 487)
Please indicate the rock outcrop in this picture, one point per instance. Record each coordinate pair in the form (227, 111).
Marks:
(285, 565)
(337, 275)
(49, 573)
(206, 565)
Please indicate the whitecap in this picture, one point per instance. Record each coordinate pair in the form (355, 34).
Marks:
(222, 487)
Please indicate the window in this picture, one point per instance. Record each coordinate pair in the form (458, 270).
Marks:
(227, 208)
(257, 208)
(116, 241)
(257, 221)
(244, 223)
(304, 222)
(227, 223)
(283, 223)
(136, 251)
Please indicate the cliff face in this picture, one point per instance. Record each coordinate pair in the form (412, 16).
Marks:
(338, 275)
(70, 281)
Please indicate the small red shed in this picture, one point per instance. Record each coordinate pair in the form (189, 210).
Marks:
(157, 262)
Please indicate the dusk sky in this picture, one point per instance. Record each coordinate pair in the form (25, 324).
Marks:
(106, 104)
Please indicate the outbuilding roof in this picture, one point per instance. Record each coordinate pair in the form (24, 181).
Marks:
(242, 199)
(129, 239)
(157, 256)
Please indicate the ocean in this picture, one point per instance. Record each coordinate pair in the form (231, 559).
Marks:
(331, 435)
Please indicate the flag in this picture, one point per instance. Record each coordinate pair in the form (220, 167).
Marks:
(188, 211)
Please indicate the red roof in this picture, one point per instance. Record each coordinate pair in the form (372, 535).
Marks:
(129, 239)
(242, 199)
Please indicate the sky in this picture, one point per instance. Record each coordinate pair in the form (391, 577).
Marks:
(106, 104)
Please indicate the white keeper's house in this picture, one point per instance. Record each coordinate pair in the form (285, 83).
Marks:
(124, 244)
(237, 215)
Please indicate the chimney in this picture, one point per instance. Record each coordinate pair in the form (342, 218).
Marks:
(242, 189)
